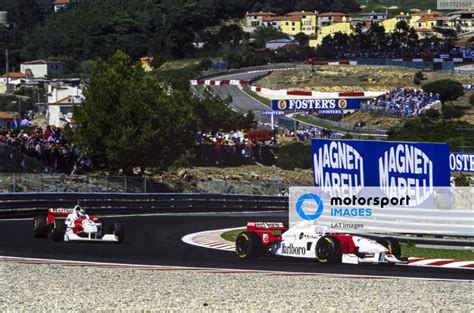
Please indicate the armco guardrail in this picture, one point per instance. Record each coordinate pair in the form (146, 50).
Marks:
(14, 205)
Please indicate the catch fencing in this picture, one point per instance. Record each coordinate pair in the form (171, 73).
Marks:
(26, 182)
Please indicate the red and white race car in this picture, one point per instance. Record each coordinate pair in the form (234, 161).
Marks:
(60, 226)
(306, 240)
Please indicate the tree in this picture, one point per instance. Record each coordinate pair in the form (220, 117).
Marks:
(447, 89)
(264, 34)
(130, 119)
(216, 114)
(302, 39)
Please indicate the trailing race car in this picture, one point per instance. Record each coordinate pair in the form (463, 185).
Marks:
(74, 224)
(306, 240)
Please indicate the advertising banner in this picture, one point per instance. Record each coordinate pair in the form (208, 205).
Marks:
(461, 162)
(271, 112)
(316, 104)
(392, 166)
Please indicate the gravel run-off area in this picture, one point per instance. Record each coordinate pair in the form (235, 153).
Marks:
(28, 287)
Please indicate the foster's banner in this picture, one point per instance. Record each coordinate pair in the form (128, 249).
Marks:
(316, 104)
(389, 165)
(461, 162)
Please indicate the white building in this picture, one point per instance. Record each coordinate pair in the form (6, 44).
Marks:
(41, 68)
(14, 80)
(61, 100)
(278, 43)
(60, 93)
(60, 4)
(60, 113)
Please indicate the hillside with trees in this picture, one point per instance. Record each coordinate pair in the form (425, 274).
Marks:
(163, 28)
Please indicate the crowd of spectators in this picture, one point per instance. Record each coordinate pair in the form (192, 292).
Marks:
(409, 53)
(47, 145)
(304, 134)
(401, 101)
(239, 147)
(233, 148)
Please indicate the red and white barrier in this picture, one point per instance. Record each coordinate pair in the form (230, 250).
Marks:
(440, 263)
(316, 94)
(291, 93)
(203, 82)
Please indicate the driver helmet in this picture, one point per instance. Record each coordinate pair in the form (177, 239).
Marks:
(79, 211)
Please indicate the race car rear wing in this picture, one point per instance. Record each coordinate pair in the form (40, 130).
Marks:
(56, 212)
(265, 226)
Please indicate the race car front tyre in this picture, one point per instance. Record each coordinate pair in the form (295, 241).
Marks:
(328, 250)
(248, 245)
(392, 245)
(40, 227)
(117, 229)
(58, 230)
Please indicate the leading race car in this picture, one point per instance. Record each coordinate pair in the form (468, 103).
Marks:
(75, 225)
(306, 240)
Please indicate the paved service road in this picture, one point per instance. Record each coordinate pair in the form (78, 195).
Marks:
(157, 240)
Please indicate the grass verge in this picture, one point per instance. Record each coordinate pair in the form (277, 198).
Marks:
(231, 235)
(199, 88)
(411, 250)
(408, 250)
(318, 123)
(255, 95)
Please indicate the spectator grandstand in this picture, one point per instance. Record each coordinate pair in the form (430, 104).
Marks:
(401, 101)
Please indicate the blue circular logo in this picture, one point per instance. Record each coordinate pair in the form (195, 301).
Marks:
(316, 199)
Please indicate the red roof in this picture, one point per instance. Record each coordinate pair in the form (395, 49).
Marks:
(7, 115)
(423, 30)
(15, 75)
(271, 18)
(426, 19)
(427, 13)
(289, 18)
(61, 1)
(290, 46)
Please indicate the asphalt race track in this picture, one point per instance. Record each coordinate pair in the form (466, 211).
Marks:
(240, 100)
(156, 240)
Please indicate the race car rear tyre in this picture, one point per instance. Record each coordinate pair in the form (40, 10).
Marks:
(117, 229)
(58, 230)
(40, 227)
(392, 245)
(328, 250)
(248, 245)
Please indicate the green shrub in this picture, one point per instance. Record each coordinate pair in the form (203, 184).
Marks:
(450, 111)
(432, 113)
(205, 64)
(293, 155)
(447, 89)
(471, 99)
(419, 75)
(462, 179)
